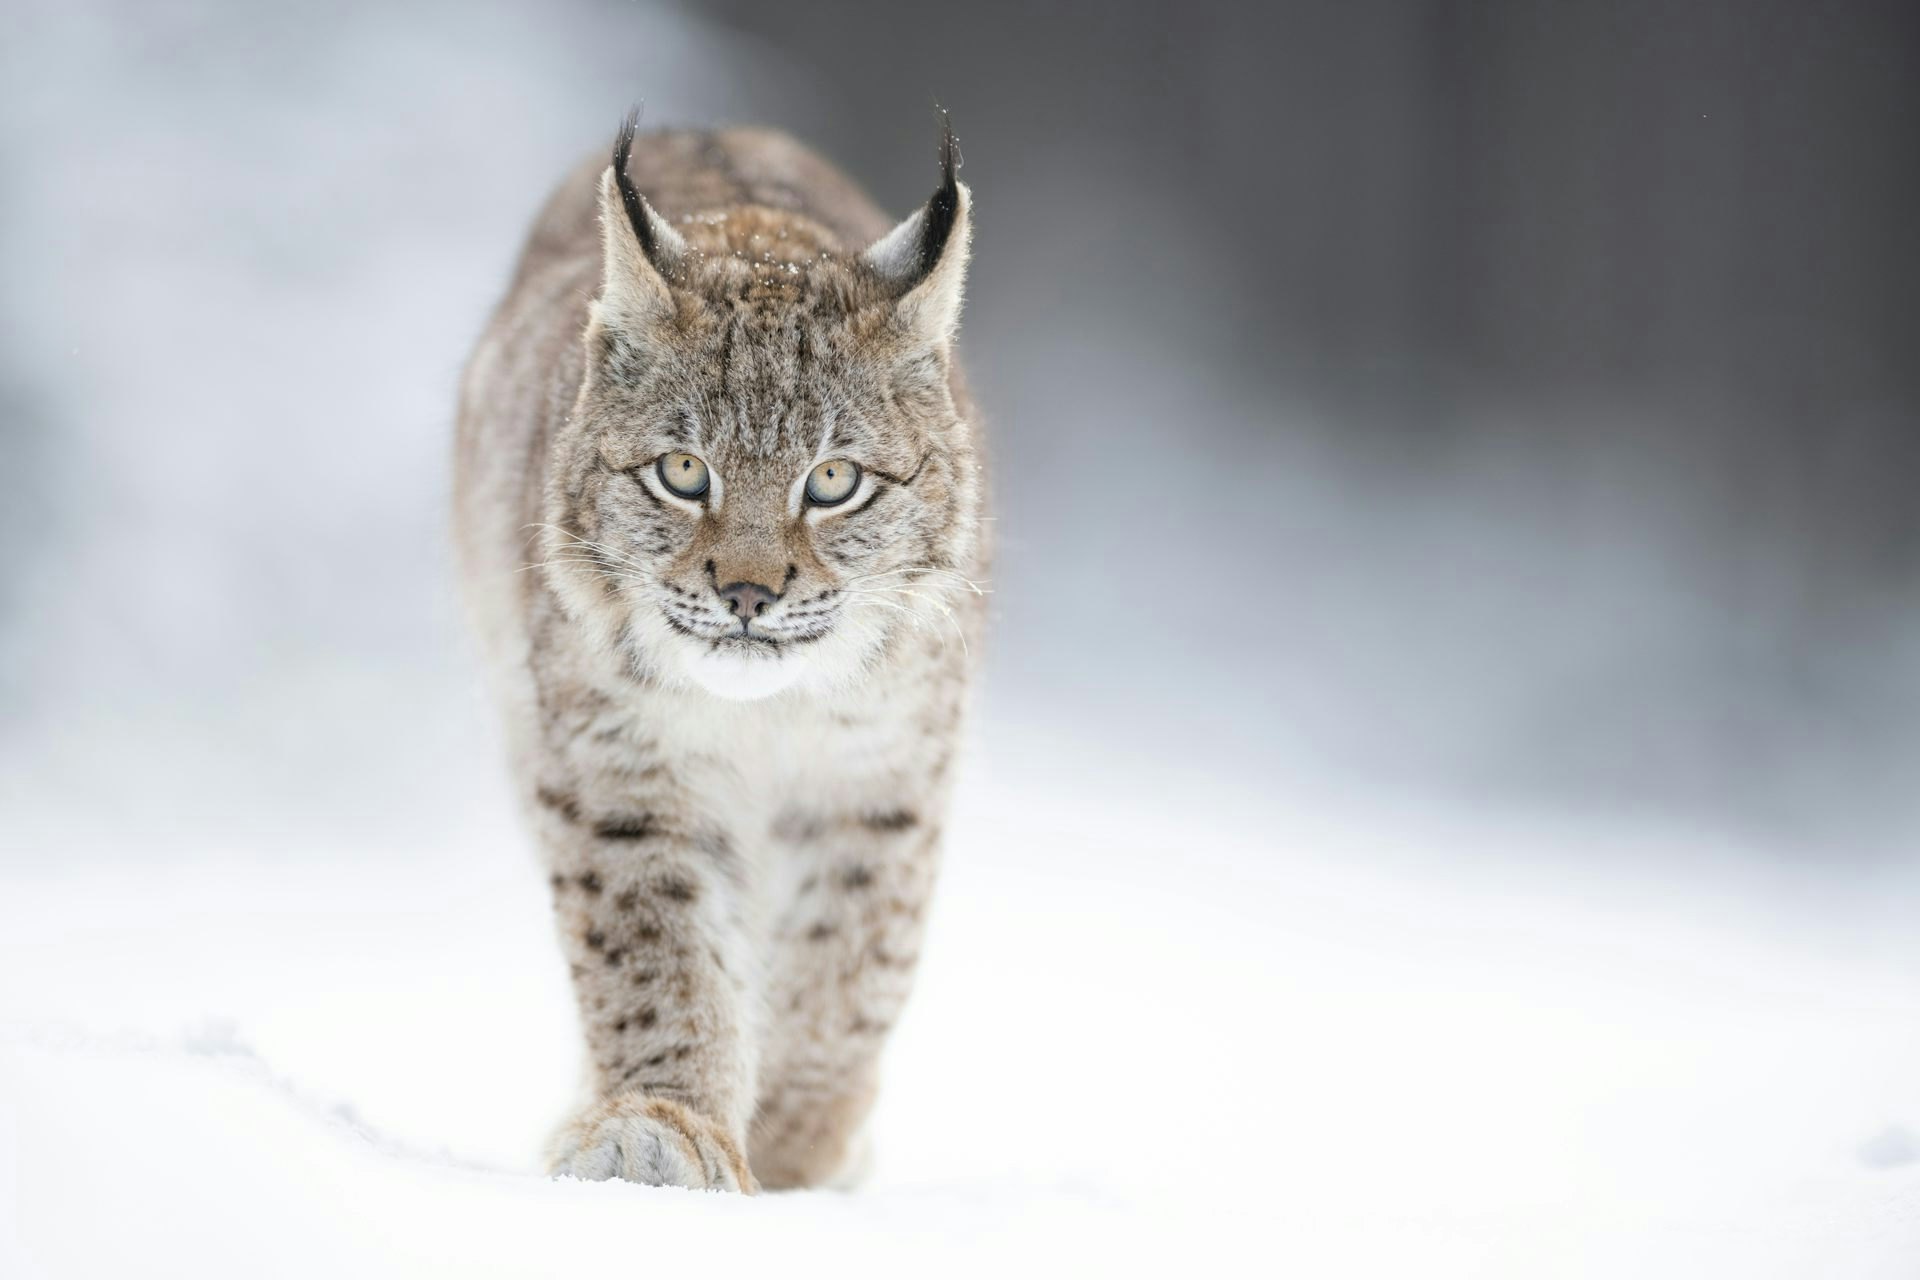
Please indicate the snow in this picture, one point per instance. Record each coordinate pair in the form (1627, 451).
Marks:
(1164, 1026)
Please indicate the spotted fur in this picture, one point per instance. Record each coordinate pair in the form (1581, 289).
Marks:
(740, 816)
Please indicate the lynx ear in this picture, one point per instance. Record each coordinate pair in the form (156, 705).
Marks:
(925, 258)
(641, 254)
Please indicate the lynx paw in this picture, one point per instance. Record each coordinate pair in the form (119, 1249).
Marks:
(652, 1141)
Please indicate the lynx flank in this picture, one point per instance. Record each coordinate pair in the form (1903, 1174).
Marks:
(718, 506)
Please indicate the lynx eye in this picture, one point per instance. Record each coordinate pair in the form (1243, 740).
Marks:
(683, 473)
(832, 482)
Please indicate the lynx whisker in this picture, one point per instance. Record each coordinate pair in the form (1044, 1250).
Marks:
(945, 611)
(977, 588)
(576, 541)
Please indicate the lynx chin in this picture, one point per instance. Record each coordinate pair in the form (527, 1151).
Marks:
(718, 503)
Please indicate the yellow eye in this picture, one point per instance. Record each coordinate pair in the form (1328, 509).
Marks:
(683, 473)
(832, 482)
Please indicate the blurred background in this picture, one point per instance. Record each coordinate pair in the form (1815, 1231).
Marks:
(1502, 406)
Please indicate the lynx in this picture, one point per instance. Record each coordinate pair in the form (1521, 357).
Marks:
(718, 511)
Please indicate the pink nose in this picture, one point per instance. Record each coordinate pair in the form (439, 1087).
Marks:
(748, 600)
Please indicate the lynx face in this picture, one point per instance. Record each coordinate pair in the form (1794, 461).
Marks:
(765, 478)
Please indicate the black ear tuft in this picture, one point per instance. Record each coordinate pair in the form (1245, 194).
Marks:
(943, 208)
(629, 194)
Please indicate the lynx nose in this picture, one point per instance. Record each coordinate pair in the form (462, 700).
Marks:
(748, 600)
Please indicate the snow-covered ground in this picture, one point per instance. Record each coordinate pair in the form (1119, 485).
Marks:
(1164, 1026)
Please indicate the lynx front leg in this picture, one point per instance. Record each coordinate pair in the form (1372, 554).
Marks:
(847, 948)
(650, 920)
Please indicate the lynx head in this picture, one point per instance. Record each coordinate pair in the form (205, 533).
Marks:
(765, 481)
